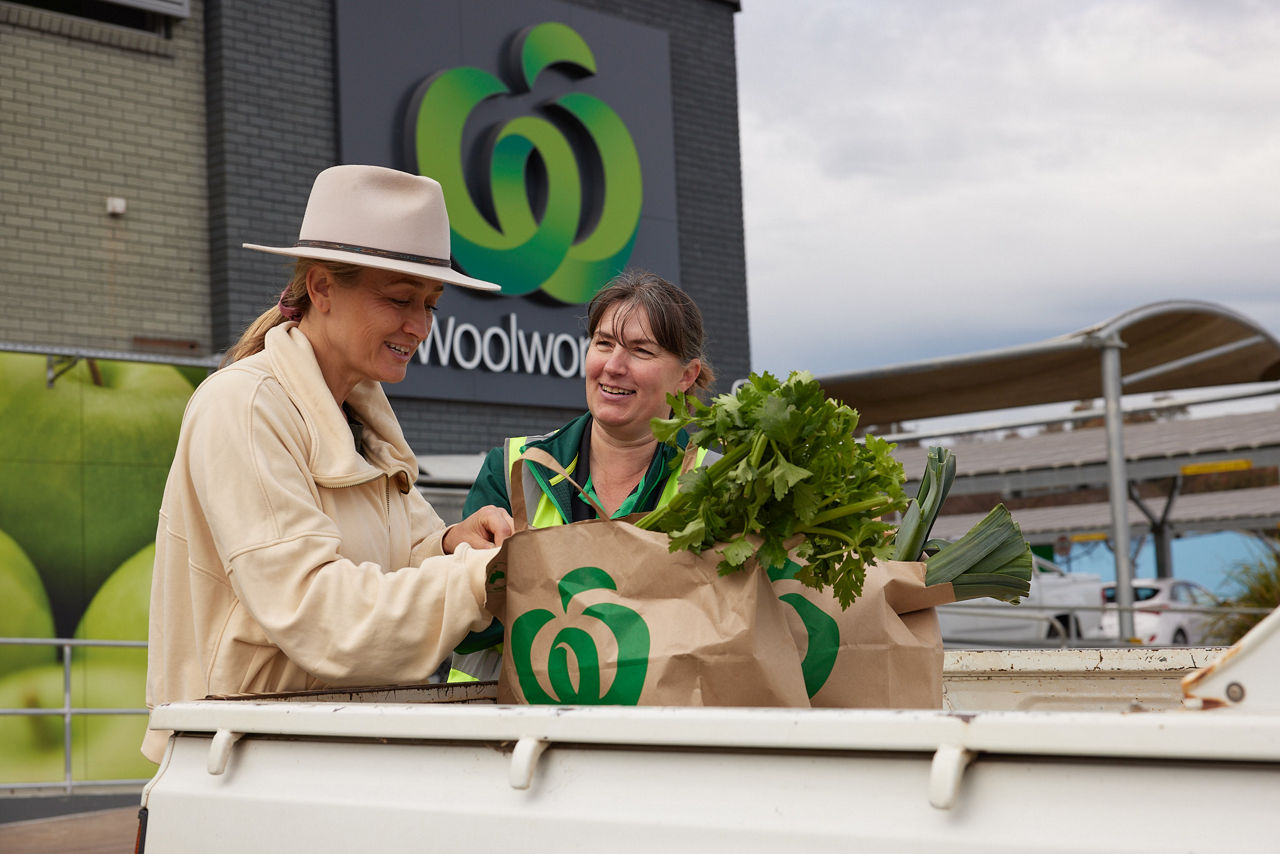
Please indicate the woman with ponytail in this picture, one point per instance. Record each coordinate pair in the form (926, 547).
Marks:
(293, 551)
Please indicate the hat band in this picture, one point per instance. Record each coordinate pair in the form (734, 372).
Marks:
(369, 250)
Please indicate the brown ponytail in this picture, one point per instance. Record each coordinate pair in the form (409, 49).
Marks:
(294, 297)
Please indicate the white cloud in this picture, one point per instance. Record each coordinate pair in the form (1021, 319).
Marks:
(929, 178)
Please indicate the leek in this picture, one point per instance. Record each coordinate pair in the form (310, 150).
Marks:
(991, 560)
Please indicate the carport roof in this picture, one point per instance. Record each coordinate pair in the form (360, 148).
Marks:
(1078, 458)
(1253, 509)
(1175, 344)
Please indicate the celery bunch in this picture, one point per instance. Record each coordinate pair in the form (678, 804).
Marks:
(791, 470)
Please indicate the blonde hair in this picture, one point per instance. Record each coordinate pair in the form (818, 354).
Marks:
(294, 296)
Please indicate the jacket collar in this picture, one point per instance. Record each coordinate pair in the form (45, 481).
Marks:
(332, 456)
(564, 445)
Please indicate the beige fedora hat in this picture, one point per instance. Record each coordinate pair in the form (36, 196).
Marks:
(378, 217)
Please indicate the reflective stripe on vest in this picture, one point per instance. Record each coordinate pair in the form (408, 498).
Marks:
(546, 513)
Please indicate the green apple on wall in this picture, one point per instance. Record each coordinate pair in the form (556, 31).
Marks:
(83, 465)
(104, 747)
(24, 609)
(119, 612)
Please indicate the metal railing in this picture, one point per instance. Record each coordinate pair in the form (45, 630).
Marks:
(68, 712)
(1055, 635)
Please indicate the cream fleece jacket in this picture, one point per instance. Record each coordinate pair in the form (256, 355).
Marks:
(284, 559)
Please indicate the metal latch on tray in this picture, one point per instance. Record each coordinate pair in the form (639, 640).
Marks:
(949, 763)
(220, 750)
(524, 760)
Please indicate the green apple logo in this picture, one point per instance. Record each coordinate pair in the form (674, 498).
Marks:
(524, 251)
(629, 630)
(823, 632)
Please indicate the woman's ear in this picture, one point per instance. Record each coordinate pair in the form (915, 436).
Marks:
(690, 375)
(319, 288)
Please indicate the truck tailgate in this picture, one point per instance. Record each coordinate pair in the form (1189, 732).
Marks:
(402, 777)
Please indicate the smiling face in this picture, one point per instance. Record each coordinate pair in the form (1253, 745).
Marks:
(629, 375)
(368, 330)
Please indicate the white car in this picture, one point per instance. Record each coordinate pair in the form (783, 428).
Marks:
(1061, 608)
(1167, 611)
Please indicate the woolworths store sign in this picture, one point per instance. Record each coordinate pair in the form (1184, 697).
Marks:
(549, 127)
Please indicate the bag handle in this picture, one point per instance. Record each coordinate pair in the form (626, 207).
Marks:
(690, 460)
(520, 512)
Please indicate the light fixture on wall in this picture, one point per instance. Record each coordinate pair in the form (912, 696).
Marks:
(115, 206)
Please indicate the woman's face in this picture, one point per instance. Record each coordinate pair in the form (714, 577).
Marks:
(369, 330)
(629, 375)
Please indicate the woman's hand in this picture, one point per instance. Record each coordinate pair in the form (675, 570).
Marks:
(483, 529)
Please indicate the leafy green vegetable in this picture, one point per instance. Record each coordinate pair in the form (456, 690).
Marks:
(791, 469)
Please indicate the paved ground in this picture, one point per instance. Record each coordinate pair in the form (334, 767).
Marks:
(112, 831)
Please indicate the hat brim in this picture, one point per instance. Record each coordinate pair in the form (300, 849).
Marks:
(426, 271)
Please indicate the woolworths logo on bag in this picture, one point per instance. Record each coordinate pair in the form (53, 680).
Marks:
(541, 236)
(629, 632)
(822, 630)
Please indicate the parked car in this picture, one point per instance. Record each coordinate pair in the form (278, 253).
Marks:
(1167, 611)
(1061, 607)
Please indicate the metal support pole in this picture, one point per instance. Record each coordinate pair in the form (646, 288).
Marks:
(1161, 530)
(1164, 542)
(1119, 484)
(66, 716)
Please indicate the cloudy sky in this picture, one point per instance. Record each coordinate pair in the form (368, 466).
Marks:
(935, 177)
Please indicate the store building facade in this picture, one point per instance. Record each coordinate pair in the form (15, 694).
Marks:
(144, 142)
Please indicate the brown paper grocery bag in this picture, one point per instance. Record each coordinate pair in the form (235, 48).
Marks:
(885, 651)
(601, 612)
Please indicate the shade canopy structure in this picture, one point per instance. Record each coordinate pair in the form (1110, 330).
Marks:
(1250, 509)
(1072, 460)
(1177, 344)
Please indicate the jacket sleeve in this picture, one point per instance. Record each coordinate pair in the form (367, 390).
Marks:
(490, 486)
(339, 620)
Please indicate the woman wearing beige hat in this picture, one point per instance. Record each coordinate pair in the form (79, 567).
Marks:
(293, 551)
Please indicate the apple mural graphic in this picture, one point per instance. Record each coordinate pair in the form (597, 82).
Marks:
(24, 609)
(82, 466)
(104, 747)
(83, 461)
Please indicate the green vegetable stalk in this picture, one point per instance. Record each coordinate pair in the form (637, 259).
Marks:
(917, 522)
(791, 470)
(992, 559)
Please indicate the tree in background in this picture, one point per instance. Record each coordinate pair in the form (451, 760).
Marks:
(1251, 584)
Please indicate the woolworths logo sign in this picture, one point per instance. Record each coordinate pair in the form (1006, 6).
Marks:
(573, 650)
(503, 348)
(538, 234)
(550, 127)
